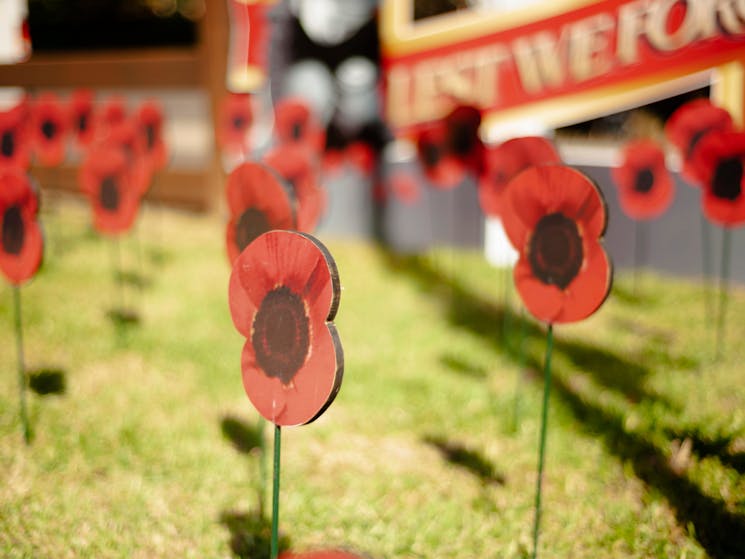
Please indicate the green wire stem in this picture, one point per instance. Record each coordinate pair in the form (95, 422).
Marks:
(723, 287)
(21, 365)
(706, 264)
(542, 445)
(275, 493)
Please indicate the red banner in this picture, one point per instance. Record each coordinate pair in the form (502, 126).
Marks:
(570, 59)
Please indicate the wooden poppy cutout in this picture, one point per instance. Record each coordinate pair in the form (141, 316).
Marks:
(234, 122)
(49, 130)
(21, 242)
(506, 160)
(259, 201)
(81, 117)
(149, 118)
(283, 294)
(14, 137)
(295, 123)
(645, 188)
(555, 218)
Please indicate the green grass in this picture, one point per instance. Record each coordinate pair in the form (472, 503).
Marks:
(150, 451)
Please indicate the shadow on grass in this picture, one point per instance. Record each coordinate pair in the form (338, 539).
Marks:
(471, 460)
(462, 366)
(719, 530)
(123, 318)
(244, 437)
(717, 445)
(251, 534)
(47, 381)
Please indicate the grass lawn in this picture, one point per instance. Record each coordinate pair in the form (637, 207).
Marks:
(147, 444)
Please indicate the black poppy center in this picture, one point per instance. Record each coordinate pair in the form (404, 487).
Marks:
(49, 129)
(556, 250)
(462, 139)
(251, 224)
(82, 122)
(239, 123)
(109, 193)
(281, 334)
(13, 230)
(727, 179)
(150, 136)
(297, 130)
(695, 139)
(8, 143)
(431, 155)
(644, 181)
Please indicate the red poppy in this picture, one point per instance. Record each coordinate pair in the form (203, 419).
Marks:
(463, 136)
(150, 125)
(404, 187)
(14, 147)
(441, 167)
(259, 201)
(48, 129)
(105, 178)
(645, 187)
(113, 112)
(555, 217)
(126, 137)
(295, 164)
(234, 122)
(296, 123)
(81, 116)
(691, 122)
(719, 159)
(21, 244)
(505, 161)
(284, 293)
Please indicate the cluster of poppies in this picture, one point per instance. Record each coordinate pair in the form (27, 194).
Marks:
(281, 188)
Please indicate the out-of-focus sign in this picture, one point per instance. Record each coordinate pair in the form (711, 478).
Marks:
(556, 61)
(249, 43)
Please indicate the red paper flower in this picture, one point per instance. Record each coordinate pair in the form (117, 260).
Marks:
(234, 122)
(21, 243)
(295, 123)
(719, 160)
(284, 292)
(258, 202)
(150, 127)
(645, 187)
(295, 164)
(507, 160)
(441, 167)
(14, 147)
(81, 116)
(691, 122)
(113, 113)
(105, 177)
(463, 137)
(555, 217)
(48, 129)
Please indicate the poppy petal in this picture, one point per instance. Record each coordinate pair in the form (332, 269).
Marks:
(590, 288)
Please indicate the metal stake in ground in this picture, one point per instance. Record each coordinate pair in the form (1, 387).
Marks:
(21, 365)
(723, 287)
(275, 493)
(542, 444)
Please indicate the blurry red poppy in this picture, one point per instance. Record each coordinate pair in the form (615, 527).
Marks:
(113, 112)
(295, 123)
(441, 167)
(82, 121)
(14, 138)
(463, 137)
(404, 187)
(150, 128)
(645, 188)
(48, 130)
(719, 159)
(689, 124)
(284, 292)
(296, 165)
(258, 202)
(234, 122)
(21, 243)
(505, 161)
(555, 217)
(127, 137)
(105, 178)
